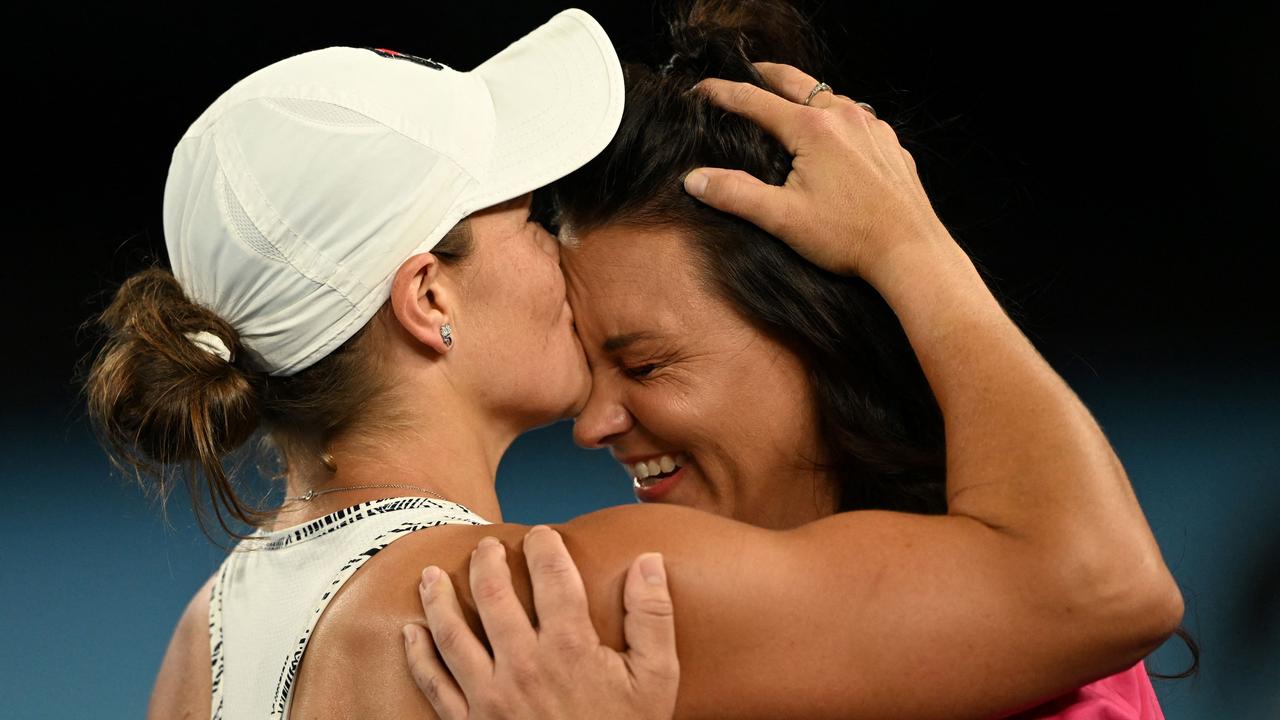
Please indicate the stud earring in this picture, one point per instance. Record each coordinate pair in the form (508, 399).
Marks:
(446, 334)
(327, 460)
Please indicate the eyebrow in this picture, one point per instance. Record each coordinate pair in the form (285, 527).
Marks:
(619, 342)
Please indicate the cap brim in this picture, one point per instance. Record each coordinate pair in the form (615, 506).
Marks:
(557, 96)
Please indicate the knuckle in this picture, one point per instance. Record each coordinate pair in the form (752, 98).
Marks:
(852, 113)
(489, 590)
(823, 124)
(659, 606)
(431, 686)
(524, 673)
(493, 704)
(447, 638)
(741, 95)
(556, 566)
(666, 669)
(565, 642)
(788, 221)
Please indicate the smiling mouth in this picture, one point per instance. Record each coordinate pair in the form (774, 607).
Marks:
(647, 473)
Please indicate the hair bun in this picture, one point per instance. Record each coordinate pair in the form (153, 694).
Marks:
(721, 38)
(156, 397)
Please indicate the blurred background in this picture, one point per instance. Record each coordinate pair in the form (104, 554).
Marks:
(1112, 168)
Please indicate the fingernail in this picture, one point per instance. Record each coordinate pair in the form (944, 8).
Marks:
(695, 183)
(487, 542)
(408, 635)
(651, 568)
(538, 529)
(429, 576)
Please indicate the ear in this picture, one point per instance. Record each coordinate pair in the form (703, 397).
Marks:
(420, 300)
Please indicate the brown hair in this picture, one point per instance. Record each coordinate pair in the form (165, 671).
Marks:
(159, 403)
(880, 423)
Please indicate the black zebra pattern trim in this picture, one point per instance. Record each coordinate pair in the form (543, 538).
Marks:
(215, 642)
(321, 526)
(346, 516)
(284, 687)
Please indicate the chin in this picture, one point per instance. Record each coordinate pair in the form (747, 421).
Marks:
(569, 403)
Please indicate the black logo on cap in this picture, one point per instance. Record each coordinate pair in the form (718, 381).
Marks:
(428, 62)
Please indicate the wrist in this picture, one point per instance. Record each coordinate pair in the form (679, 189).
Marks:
(919, 255)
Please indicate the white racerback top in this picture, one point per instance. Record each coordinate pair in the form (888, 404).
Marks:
(274, 586)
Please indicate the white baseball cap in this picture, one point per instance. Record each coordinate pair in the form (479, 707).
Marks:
(293, 199)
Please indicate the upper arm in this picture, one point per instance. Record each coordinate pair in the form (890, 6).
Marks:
(868, 613)
(873, 613)
(183, 686)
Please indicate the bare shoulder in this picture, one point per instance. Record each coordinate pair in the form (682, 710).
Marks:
(183, 686)
(354, 665)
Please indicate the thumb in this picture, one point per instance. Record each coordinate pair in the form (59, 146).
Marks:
(739, 193)
(649, 627)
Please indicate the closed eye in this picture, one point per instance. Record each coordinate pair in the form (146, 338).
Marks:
(639, 372)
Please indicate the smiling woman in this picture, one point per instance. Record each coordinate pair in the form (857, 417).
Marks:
(830, 385)
(678, 373)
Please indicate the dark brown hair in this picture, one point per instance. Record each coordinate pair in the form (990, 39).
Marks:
(163, 407)
(880, 423)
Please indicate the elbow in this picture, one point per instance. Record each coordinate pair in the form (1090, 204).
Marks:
(1136, 604)
(1161, 606)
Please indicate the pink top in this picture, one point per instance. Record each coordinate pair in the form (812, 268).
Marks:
(1126, 695)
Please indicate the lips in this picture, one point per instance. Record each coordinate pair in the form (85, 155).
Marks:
(654, 477)
(651, 471)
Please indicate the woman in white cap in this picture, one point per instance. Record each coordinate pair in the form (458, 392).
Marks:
(325, 291)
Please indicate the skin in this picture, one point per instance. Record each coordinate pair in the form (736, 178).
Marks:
(1044, 568)
(675, 369)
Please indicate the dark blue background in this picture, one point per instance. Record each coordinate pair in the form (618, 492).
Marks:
(1112, 169)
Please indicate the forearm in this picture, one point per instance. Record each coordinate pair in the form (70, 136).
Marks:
(1024, 455)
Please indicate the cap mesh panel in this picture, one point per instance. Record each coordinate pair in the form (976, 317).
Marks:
(243, 227)
(318, 111)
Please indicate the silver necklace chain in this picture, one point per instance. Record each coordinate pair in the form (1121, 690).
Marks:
(312, 494)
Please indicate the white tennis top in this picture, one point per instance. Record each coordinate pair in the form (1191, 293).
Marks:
(274, 586)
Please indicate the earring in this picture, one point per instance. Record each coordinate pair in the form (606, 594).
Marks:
(327, 460)
(446, 334)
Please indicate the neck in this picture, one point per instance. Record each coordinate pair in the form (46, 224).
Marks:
(446, 452)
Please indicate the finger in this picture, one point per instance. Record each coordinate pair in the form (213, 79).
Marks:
(742, 194)
(558, 594)
(649, 625)
(431, 676)
(510, 633)
(459, 647)
(771, 112)
(790, 82)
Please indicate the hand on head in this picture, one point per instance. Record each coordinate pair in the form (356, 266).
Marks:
(853, 193)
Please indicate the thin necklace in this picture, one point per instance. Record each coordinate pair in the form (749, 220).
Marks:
(312, 494)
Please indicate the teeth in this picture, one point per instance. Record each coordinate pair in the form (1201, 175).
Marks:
(648, 468)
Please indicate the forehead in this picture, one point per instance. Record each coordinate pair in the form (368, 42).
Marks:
(626, 279)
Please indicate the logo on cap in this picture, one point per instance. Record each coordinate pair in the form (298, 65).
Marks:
(428, 62)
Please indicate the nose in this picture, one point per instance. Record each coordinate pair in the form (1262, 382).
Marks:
(603, 420)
